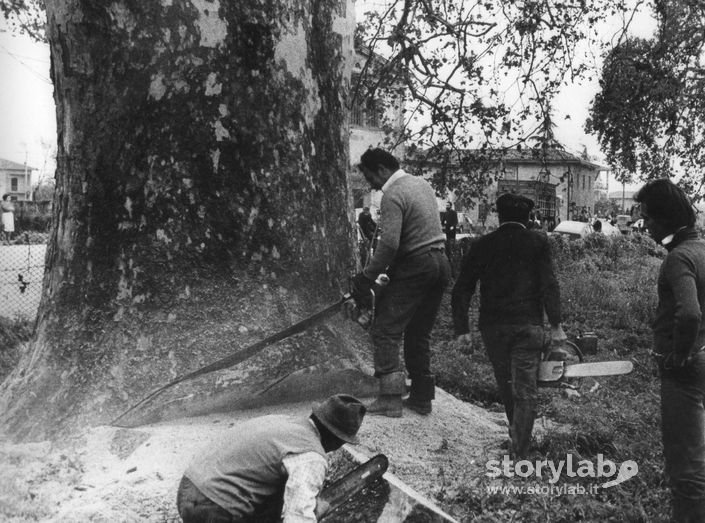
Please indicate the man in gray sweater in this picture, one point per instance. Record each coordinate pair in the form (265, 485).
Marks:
(411, 253)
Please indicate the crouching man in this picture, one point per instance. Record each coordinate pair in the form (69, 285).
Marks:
(269, 468)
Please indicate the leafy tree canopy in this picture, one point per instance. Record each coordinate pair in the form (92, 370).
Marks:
(25, 16)
(475, 75)
(479, 76)
(650, 113)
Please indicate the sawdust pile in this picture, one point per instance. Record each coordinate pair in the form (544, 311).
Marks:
(113, 474)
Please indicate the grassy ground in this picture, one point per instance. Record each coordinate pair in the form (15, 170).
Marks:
(609, 287)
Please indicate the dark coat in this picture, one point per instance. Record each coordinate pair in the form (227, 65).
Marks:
(517, 280)
(449, 221)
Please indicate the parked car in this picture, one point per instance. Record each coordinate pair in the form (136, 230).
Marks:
(572, 229)
(575, 230)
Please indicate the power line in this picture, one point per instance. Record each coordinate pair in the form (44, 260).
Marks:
(29, 68)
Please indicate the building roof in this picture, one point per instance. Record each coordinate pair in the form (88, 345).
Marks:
(7, 165)
(549, 156)
(540, 156)
(617, 195)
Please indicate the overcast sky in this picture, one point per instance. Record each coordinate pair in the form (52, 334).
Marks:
(27, 111)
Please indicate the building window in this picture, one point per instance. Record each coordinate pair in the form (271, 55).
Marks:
(357, 114)
(14, 184)
(365, 111)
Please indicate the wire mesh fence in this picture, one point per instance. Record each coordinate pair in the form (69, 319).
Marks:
(21, 273)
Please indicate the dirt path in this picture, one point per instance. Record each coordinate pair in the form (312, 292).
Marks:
(111, 474)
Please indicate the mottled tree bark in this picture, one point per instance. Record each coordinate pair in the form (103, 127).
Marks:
(201, 202)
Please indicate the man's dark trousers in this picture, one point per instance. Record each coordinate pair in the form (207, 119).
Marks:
(194, 507)
(683, 426)
(408, 309)
(515, 353)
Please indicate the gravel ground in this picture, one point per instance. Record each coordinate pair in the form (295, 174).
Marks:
(113, 474)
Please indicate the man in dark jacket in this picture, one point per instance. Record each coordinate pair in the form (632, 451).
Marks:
(449, 221)
(517, 283)
(679, 340)
(270, 468)
(367, 224)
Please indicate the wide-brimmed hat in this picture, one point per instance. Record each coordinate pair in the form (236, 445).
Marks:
(342, 415)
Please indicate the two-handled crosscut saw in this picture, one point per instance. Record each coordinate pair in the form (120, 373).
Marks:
(242, 355)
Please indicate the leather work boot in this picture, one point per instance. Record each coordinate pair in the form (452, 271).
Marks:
(423, 390)
(388, 403)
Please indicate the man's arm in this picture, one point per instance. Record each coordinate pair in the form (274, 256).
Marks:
(680, 274)
(550, 291)
(306, 472)
(463, 291)
(389, 241)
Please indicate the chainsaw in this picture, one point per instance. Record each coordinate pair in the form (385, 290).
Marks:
(566, 362)
(343, 490)
(555, 371)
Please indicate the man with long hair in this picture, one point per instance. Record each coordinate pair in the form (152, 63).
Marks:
(679, 340)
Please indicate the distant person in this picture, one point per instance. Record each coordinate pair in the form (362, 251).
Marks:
(550, 224)
(449, 222)
(268, 469)
(517, 284)
(534, 221)
(584, 216)
(8, 219)
(530, 224)
(597, 226)
(367, 224)
(368, 228)
(679, 341)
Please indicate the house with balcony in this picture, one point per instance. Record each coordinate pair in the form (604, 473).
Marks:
(16, 180)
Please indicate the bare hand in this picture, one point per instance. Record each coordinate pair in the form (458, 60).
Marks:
(558, 335)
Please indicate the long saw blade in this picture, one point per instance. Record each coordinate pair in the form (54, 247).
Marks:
(243, 354)
(598, 368)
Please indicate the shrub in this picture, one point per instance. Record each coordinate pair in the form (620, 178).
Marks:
(32, 218)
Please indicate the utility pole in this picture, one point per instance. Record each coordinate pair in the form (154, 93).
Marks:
(624, 210)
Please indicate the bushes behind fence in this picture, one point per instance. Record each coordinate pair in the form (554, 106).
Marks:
(32, 216)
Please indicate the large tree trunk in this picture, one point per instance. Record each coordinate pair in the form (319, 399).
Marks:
(201, 204)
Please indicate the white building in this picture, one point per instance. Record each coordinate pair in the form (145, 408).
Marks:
(374, 121)
(16, 180)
